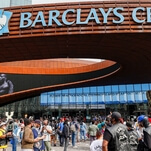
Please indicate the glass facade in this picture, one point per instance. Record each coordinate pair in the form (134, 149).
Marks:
(114, 94)
(87, 101)
(9, 3)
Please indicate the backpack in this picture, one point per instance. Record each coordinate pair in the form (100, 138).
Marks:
(73, 128)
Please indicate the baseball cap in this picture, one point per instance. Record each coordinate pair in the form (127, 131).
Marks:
(3, 123)
(38, 122)
(116, 115)
(140, 118)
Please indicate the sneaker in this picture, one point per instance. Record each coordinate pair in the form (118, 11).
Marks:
(75, 147)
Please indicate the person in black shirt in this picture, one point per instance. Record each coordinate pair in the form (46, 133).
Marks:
(65, 134)
(116, 138)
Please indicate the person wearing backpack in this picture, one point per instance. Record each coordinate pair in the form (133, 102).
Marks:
(73, 129)
(83, 128)
(116, 138)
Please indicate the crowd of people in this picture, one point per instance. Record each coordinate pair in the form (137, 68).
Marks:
(111, 133)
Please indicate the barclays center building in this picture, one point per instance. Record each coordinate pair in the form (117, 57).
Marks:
(75, 58)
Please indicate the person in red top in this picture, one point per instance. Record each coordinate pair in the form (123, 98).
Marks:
(149, 115)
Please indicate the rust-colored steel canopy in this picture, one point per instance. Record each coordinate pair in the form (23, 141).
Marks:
(127, 43)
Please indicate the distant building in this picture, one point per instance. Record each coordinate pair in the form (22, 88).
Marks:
(9, 3)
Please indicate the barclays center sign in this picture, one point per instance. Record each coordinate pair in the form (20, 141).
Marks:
(61, 19)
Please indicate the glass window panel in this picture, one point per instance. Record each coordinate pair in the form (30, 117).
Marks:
(145, 87)
(138, 97)
(94, 99)
(130, 97)
(72, 99)
(65, 91)
(78, 90)
(123, 97)
(51, 93)
(79, 99)
(86, 99)
(122, 88)
(93, 89)
(58, 99)
(51, 99)
(115, 98)
(144, 97)
(150, 86)
(107, 89)
(108, 98)
(86, 90)
(65, 100)
(43, 99)
(129, 88)
(72, 90)
(101, 99)
(100, 89)
(58, 92)
(115, 88)
(137, 87)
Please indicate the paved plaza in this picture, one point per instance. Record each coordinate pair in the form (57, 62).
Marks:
(81, 146)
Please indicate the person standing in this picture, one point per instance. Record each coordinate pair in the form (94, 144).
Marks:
(92, 131)
(59, 131)
(35, 129)
(65, 134)
(116, 138)
(133, 136)
(74, 128)
(3, 137)
(47, 130)
(83, 129)
(28, 137)
(97, 144)
(143, 120)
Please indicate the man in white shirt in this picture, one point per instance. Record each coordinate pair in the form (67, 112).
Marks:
(47, 130)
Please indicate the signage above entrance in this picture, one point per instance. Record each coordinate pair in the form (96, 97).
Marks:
(94, 15)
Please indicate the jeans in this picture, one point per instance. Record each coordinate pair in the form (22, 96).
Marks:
(14, 143)
(73, 138)
(61, 140)
(83, 134)
(36, 149)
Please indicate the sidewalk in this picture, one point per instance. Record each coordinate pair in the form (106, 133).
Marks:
(81, 146)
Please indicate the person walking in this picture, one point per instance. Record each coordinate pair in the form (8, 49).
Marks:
(38, 146)
(4, 137)
(28, 137)
(83, 129)
(65, 134)
(47, 130)
(92, 131)
(116, 138)
(74, 128)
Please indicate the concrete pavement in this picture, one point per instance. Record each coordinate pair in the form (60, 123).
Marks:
(81, 146)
